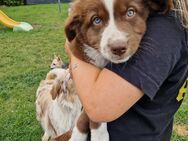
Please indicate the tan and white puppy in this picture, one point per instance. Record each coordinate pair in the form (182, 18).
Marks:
(57, 116)
(102, 31)
(56, 62)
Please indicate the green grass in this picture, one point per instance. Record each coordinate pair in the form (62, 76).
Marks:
(25, 60)
(181, 118)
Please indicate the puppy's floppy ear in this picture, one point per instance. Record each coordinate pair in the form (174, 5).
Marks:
(72, 27)
(56, 89)
(162, 6)
(58, 58)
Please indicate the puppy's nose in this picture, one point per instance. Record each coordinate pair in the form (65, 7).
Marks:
(118, 50)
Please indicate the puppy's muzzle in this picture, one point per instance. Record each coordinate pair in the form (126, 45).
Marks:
(118, 47)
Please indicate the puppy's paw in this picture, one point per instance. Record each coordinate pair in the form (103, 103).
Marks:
(77, 135)
(45, 137)
(100, 134)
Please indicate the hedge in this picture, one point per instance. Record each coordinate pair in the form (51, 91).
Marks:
(12, 2)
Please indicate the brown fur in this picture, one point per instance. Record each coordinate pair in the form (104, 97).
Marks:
(163, 6)
(51, 76)
(65, 137)
(56, 90)
(68, 90)
(83, 123)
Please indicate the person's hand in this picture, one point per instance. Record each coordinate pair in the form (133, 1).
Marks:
(72, 58)
(67, 49)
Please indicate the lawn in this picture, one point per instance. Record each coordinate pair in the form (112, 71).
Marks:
(25, 60)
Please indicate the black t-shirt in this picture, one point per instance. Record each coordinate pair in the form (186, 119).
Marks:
(159, 69)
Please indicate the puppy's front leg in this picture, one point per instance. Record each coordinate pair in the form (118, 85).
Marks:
(99, 131)
(77, 135)
(80, 131)
(45, 137)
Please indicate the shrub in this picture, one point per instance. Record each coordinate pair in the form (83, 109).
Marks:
(12, 2)
(1, 2)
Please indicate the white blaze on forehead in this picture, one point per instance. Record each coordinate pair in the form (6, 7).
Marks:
(109, 4)
(111, 32)
(111, 29)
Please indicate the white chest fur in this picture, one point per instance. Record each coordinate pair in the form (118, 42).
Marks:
(96, 58)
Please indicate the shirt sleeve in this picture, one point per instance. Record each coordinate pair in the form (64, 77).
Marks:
(155, 59)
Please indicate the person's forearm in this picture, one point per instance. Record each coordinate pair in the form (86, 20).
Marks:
(104, 95)
(85, 76)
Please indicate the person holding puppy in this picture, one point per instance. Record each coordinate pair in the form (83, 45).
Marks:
(139, 98)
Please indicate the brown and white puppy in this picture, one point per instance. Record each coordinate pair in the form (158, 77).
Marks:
(106, 30)
(57, 116)
(102, 31)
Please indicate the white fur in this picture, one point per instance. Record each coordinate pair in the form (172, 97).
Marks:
(77, 135)
(111, 33)
(97, 59)
(45, 137)
(59, 72)
(59, 113)
(100, 134)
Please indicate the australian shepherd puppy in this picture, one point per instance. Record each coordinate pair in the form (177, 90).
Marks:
(102, 31)
(57, 105)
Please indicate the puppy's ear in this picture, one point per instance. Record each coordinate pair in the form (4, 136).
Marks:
(161, 6)
(58, 58)
(153, 5)
(56, 89)
(72, 27)
(170, 4)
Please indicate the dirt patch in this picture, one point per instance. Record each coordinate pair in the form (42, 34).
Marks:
(181, 130)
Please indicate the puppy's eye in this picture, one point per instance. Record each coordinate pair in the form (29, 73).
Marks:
(131, 12)
(96, 20)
